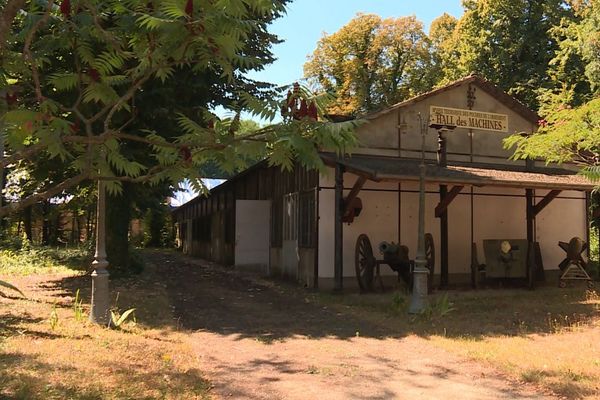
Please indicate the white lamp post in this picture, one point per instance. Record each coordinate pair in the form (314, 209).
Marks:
(418, 299)
(100, 296)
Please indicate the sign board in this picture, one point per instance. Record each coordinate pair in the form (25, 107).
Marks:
(469, 119)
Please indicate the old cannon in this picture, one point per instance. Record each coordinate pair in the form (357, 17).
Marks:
(395, 256)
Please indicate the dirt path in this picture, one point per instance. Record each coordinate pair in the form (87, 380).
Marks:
(259, 340)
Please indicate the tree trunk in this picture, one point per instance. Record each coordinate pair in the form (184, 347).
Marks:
(45, 223)
(118, 217)
(9, 11)
(27, 223)
(89, 225)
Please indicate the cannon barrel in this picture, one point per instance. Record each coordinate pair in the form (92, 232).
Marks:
(389, 248)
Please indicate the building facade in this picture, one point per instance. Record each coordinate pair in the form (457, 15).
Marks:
(285, 223)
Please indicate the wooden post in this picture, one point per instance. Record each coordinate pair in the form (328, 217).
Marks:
(443, 241)
(338, 230)
(588, 205)
(529, 215)
(443, 162)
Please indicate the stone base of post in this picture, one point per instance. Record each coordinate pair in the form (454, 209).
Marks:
(99, 311)
(418, 299)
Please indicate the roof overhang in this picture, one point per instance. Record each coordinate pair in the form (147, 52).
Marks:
(392, 169)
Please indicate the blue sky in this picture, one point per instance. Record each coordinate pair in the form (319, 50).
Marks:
(306, 20)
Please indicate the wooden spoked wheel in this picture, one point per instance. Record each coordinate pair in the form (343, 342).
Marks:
(430, 257)
(364, 263)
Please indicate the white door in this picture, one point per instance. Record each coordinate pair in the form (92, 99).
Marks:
(253, 234)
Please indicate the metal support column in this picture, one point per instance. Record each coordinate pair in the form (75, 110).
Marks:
(338, 230)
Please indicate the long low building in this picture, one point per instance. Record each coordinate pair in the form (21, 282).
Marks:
(286, 223)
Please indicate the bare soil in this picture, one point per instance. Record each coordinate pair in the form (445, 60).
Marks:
(255, 339)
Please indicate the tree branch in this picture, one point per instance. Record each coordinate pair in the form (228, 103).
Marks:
(9, 12)
(35, 198)
(27, 50)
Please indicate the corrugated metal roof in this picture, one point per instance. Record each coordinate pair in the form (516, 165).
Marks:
(402, 169)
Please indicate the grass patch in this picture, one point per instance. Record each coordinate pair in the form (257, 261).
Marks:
(548, 337)
(44, 260)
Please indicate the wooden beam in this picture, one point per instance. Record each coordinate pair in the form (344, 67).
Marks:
(530, 215)
(443, 240)
(338, 254)
(545, 201)
(358, 185)
(441, 208)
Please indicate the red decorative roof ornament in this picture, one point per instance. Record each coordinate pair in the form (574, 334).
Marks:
(312, 111)
(65, 8)
(189, 8)
(185, 154)
(94, 74)
(303, 111)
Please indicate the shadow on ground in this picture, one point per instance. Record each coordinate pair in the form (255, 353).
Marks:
(204, 296)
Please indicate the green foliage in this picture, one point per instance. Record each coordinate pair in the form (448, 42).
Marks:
(43, 260)
(399, 302)
(570, 132)
(438, 308)
(121, 91)
(508, 42)
(443, 49)
(569, 135)
(157, 225)
(53, 320)
(117, 319)
(78, 307)
(371, 62)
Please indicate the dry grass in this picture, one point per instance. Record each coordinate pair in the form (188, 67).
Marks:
(560, 352)
(549, 337)
(48, 352)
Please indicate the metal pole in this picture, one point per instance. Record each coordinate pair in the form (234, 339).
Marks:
(100, 295)
(418, 300)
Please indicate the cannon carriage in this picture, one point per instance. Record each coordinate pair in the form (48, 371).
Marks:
(395, 256)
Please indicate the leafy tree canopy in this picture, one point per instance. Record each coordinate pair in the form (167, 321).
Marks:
(570, 131)
(508, 42)
(371, 62)
(75, 74)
